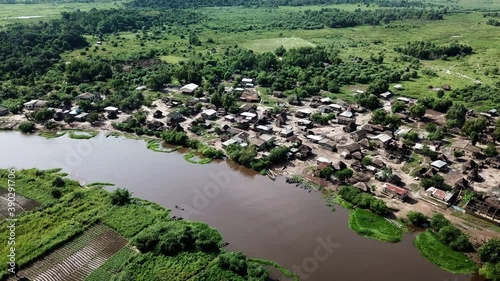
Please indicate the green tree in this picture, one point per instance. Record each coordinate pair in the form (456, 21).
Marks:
(417, 218)
(26, 127)
(43, 115)
(490, 251)
(344, 174)
(326, 172)
(94, 117)
(215, 99)
(379, 116)
(278, 154)
(156, 81)
(417, 111)
(398, 106)
(477, 125)
(491, 150)
(280, 51)
(456, 115)
(120, 197)
(438, 221)
(367, 161)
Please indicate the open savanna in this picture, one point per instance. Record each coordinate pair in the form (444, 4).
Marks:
(9, 13)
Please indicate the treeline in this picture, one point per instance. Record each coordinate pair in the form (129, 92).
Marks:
(363, 200)
(431, 51)
(185, 4)
(28, 50)
(302, 71)
(336, 18)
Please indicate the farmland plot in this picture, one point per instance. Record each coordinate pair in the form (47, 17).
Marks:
(77, 259)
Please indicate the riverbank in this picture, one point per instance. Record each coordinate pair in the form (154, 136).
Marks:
(373, 226)
(67, 211)
(441, 255)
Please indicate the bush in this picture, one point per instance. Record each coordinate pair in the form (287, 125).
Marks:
(438, 221)
(490, 251)
(26, 127)
(417, 218)
(120, 197)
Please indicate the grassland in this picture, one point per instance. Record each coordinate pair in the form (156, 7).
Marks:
(442, 256)
(371, 225)
(25, 13)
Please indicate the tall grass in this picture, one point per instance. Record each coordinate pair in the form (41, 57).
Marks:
(374, 226)
(443, 256)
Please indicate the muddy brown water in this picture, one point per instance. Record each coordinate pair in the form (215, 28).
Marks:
(264, 219)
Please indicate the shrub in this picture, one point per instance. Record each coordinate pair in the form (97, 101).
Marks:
(26, 127)
(416, 218)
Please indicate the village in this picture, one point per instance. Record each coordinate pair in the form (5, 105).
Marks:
(446, 175)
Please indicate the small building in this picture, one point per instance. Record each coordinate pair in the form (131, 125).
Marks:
(466, 148)
(395, 191)
(382, 138)
(264, 129)
(286, 133)
(398, 87)
(327, 144)
(303, 113)
(141, 88)
(158, 114)
(3, 111)
(86, 96)
(314, 138)
(247, 80)
(81, 117)
(336, 107)
(259, 143)
(304, 122)
(35, 104)
(174, 117)
(228, 143)
(440, 165)
(323, 160)
(267, 138)
(358, 135)
(403, 99)
(386, 95)
(419, 147)
(189, 88)
(493, 112)
(111, 109)
(439, 196)
(345, 120)
(230, 118)
(346, 114)
(349, 148)
(326, 100)
(249, 116)
(209, 114)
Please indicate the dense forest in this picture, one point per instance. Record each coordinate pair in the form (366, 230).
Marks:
(175, 4)
(28, 50)
(431, 51)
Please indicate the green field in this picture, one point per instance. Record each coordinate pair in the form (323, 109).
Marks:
(442, 256)
(269, 45)
(25, 13)
(371, 225)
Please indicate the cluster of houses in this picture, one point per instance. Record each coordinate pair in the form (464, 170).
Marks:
(65, 110)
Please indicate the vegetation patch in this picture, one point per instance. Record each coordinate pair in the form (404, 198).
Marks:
(271, 44)
(51, 134)
(443, 256)
(195, 159)
(157, 146)
(286, 272)
(371, 225)
(82, 135)
(111, 266)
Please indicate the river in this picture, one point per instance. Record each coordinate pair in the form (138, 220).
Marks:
(262, 218)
